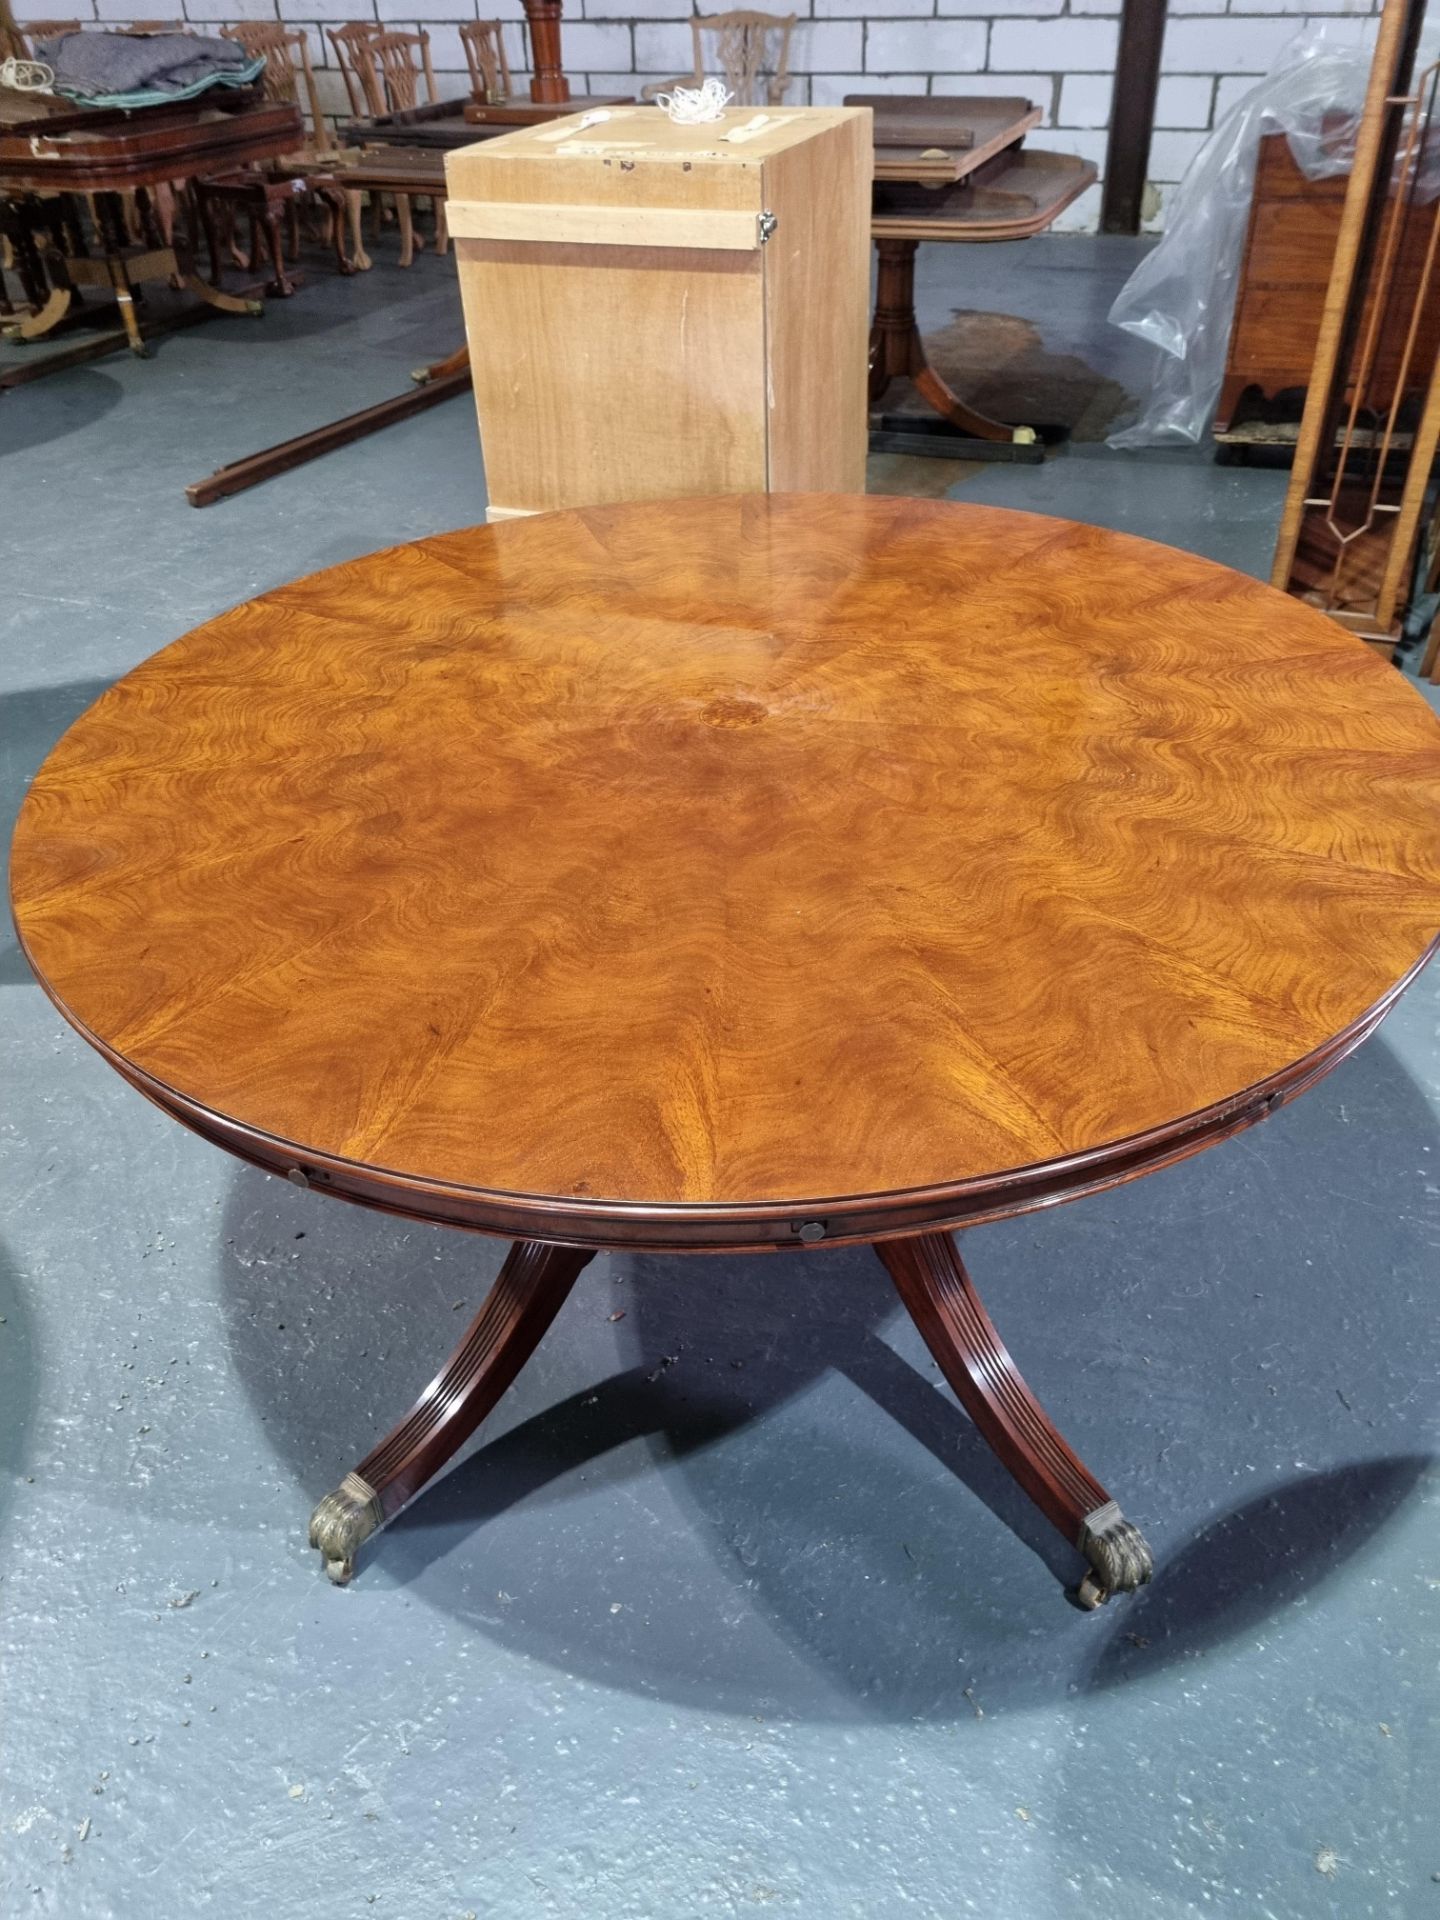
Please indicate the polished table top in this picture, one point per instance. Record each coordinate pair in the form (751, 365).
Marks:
(98, 150)
(686, 869)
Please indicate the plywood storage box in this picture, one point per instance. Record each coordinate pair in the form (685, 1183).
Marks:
(656, 310)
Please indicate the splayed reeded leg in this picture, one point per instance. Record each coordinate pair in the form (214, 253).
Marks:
(938, 1293)
(528, 1292)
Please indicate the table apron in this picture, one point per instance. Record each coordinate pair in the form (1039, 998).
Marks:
(757, 1228)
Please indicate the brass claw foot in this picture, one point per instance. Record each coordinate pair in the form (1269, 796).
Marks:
(342, 1521)
(1119, 1558)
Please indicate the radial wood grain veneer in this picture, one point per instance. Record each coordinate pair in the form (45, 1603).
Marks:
(743, 873)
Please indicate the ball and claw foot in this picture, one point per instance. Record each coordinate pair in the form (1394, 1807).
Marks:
(1119, 1559)
(341, 1522)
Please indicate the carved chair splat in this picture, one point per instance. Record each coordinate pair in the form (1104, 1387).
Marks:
(749, 51)
(401, 60)
(484, 44)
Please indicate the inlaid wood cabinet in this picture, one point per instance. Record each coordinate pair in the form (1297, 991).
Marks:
(657, 310)
(1289, 250)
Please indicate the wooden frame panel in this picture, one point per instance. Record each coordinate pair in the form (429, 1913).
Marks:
(591, 403)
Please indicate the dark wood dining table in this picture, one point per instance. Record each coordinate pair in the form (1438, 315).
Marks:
(436, 126)
(758, 874)
(951, 168)
(46, 156)
(442, 125)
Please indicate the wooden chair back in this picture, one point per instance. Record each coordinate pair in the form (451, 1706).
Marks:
(286, 51)
(750, 52)
(358, 67)
(396, 55)
(484, 45)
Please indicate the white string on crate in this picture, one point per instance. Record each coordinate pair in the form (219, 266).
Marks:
(694, 106)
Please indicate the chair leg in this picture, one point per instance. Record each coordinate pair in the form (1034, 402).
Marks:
(359, 259)
(334, 203)
(409, 241)
(210, 222)
(281, 287)
(163, 200)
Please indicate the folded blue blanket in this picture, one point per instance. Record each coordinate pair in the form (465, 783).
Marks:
(144, 69)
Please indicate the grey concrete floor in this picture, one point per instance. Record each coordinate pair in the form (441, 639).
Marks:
(727, 1611)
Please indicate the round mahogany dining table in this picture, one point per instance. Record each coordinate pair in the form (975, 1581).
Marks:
(750, 873)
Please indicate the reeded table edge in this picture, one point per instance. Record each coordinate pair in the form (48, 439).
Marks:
(751, 1226)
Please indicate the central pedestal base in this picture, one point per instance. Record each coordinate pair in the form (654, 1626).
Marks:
(931, 1279)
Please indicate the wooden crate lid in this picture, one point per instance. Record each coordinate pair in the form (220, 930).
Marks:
(639, 156)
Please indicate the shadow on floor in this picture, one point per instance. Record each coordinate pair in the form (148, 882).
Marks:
(86, 397)
(19, 1370)
(999, 364)
(1249, 1564)
(727, 1520)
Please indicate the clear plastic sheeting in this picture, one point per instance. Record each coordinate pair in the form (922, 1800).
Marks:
(1182, 295)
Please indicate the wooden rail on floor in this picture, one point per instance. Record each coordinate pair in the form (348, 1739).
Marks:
(442, 381)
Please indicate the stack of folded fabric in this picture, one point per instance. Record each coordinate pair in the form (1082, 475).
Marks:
(144, 69)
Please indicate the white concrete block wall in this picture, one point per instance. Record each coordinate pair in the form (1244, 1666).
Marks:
(1058, 53)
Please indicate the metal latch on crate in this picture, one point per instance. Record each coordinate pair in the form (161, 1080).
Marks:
(725, 229)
